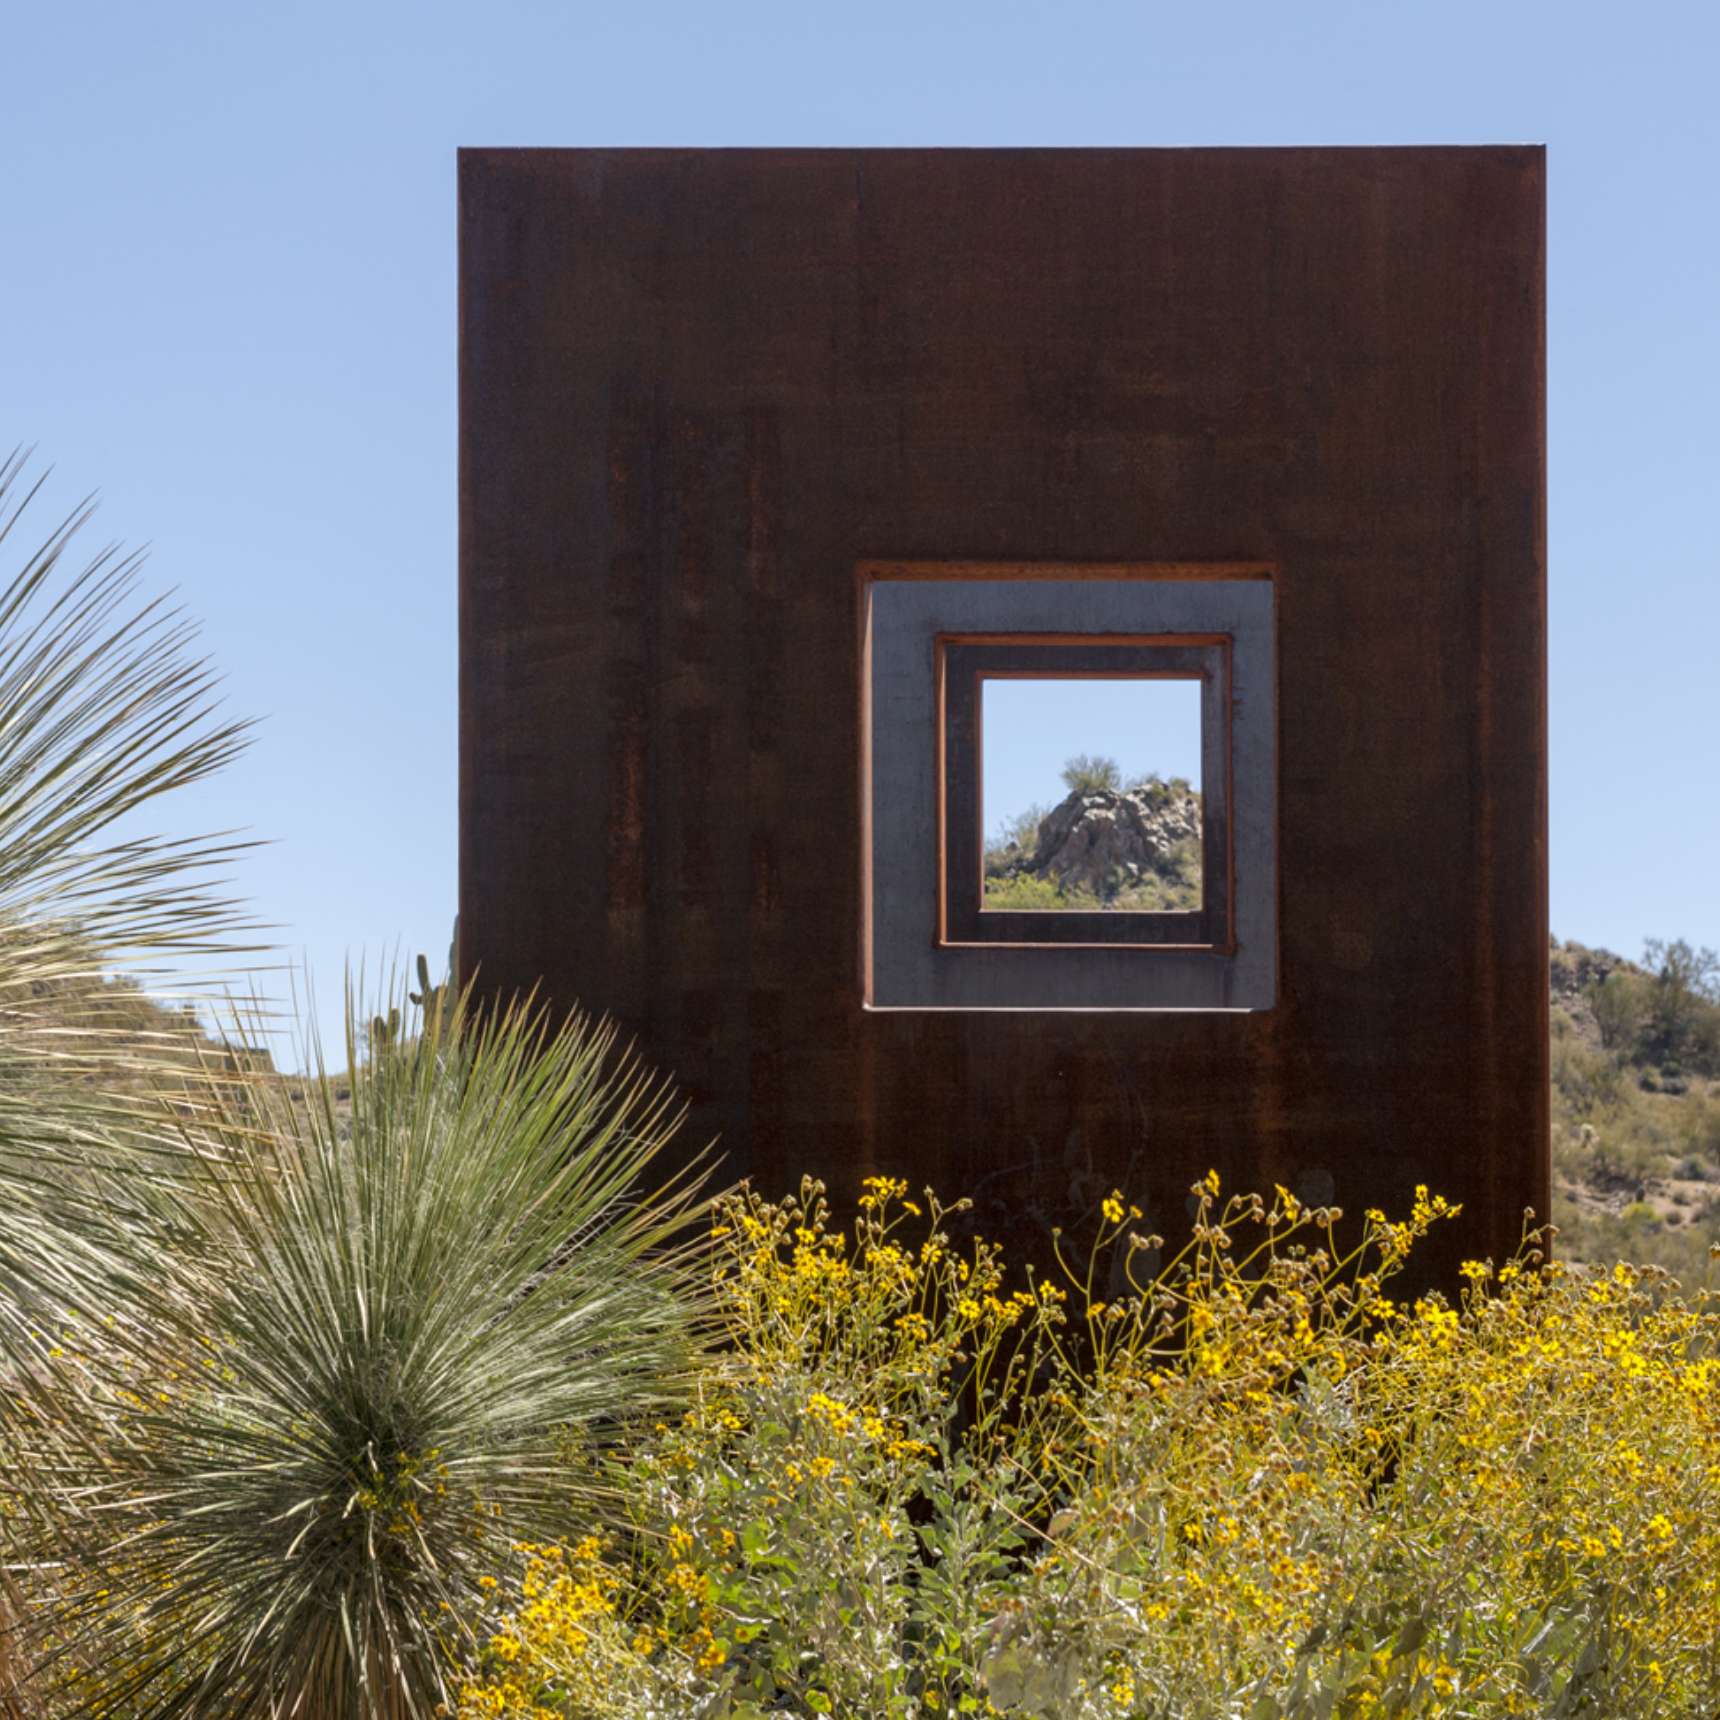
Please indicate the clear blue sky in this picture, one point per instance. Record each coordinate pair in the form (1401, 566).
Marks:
(228, 298)
(1031, 728)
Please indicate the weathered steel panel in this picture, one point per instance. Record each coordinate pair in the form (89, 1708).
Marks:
(698, 388)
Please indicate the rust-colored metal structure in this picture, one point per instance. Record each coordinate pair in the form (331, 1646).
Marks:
(701, 389)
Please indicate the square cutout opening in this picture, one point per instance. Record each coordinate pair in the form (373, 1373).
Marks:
(1134, 858)
(1090, 793)
(979, 682)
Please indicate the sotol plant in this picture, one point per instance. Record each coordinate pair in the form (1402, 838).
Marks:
(275, 1374)
(103, 708)
(375, 1347)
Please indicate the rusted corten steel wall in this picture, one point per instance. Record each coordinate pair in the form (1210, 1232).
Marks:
(699, 388)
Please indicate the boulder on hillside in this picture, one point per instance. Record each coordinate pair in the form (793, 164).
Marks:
(1114, 843)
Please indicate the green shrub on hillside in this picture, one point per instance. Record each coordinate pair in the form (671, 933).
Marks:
(1636, 1107)
(1158, 790)
(1621, 1003)
(1026, 893)
(1683, 1013)
(1087, 773)
(1665, 1013)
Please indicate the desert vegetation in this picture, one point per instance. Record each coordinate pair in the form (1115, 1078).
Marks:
(1254, 1484)
(284, 1367)
(1130, 846)
(408, 1386)
(1636, 1105)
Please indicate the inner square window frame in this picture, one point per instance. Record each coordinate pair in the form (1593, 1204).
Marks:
(964, 662)
(902, 607)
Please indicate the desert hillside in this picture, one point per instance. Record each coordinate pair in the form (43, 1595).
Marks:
(1636, 1105)
(1104, 845)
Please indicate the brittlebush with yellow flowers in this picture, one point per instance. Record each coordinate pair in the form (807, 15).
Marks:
(1255, 1485)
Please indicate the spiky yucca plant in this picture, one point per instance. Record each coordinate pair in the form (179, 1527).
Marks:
(103, 708)
(379, 1348)
(277, 1376)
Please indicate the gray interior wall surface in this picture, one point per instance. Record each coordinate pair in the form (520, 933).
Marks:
(910, 969)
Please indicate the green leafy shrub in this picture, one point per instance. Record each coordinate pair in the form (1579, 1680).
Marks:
(1090, 772)
(781, 1527)
(1585, 1080)
(1025, 892)
(1621, 1004)
(1683, 1004)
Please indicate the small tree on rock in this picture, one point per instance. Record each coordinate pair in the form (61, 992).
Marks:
(1089, 773)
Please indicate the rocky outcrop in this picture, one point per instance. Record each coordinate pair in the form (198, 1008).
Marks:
(1109, 842)
(1574, 968)
(1574, 972)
